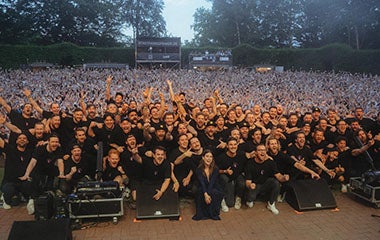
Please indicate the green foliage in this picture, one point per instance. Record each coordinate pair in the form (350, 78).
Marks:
(333, 57)
(64, 54)
(97, 23)
(145, 17)
(289, 23)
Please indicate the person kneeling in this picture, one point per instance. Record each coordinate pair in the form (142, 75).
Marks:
(210, 194)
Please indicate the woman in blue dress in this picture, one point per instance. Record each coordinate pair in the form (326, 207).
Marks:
(210, 195)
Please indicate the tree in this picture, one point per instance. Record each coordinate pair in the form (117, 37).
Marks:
(289, 23)
(260, 23)
(355, 23)
(145, 17)
(82, 22)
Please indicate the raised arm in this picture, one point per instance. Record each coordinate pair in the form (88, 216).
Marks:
(162, 108)
(28, 95)
(5, 105)
(108, 87)
(170, 85)
(82, 104)
(217, 97)
(9, 125)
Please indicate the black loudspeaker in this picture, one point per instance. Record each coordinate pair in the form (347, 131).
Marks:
(310, 194)
(44, 206)
(52, 229)
(147, 207)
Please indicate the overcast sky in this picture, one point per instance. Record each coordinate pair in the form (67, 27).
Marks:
(178, 15)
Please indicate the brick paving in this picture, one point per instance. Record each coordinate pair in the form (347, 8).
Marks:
(352, 220)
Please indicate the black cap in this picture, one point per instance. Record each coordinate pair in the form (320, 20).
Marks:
(315, 109)
(243, 124)
(160, 127)
(75, 146)
(210, 123)
(125, 119)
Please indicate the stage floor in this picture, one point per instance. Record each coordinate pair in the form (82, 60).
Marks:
(352, 220)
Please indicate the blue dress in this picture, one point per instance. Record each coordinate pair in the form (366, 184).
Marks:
(213, 188)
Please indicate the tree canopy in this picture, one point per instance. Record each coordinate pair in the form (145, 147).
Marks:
(289, 23)
(267, 24)
(82, 22)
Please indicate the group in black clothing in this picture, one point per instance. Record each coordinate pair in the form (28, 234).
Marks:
(219, 153)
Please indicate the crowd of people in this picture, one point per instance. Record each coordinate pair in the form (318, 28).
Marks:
(223, 137)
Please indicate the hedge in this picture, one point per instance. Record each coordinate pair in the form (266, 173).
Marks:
(333, 57)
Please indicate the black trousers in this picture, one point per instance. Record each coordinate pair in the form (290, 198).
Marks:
(232, 188)
(271, 189)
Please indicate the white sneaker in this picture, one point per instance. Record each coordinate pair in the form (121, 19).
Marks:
(249, 204)
(344, 188)
(126, 193)
(5, 205)
(224, 206)
(237, 203)
(272, 208)
(30, 206)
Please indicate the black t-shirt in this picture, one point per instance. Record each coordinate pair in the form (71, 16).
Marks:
(155, 173)
(19, 121)
(259, 172)
(194, 162)
(82, 168)
(104, 135)
(33, 141)
(248, 146)
(132, 168)
(69, 127)
(317, 146)
(208, 143)
(304, 153)
(111, 173)
(348, 135)
(89, 151)
(154, 142)
(222, 134)
(16, 163)
(46, 161)
(237, 163)
(183, 169)
(366, 123)
(284, 163)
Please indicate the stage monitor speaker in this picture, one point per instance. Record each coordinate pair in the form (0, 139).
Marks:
(44, 206)
(52, 229)
(147, 207)
(310, 194)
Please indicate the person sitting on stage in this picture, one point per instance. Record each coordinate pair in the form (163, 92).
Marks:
(285, 164)
(303, 155)
(210, 193)
(72, 170)
(262, 177)
(232, 164)
(333, 162)
(156, 171)
(132, 167)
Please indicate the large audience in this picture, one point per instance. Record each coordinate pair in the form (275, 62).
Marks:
(342, 91)
(227, 123)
